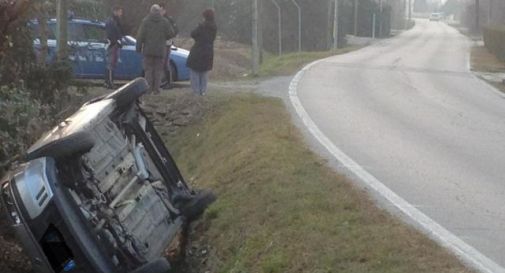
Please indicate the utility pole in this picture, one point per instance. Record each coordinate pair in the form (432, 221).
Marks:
(279, 24)
(299, 25)
(477, 15)
(374, 18)
(490, 12)
(410, 11)
(335, 25)
(61, 30)
(255, 38)
(381, 9)
(356, 3)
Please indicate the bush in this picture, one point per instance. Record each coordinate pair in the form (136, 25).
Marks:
(22, 120)
(494, 39)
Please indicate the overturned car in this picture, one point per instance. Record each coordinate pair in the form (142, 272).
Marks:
(100, 192)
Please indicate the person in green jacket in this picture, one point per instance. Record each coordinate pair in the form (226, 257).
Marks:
(152, 37)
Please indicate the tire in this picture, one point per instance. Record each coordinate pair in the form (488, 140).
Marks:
(129, 93)
(160, 265)
(195, 206)
(71, 145)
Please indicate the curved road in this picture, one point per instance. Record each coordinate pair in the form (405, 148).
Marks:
(409, 112)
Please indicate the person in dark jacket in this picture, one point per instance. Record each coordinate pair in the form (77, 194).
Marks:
(154, 32)
(115, 33)
(166, 65)
(201, 56)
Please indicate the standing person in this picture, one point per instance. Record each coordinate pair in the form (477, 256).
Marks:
(154, 32)
(115, 33)
(201, 56)
(166, 65)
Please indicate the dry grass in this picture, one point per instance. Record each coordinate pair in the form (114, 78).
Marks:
(290, 63)
(280, 207)
(484, 61)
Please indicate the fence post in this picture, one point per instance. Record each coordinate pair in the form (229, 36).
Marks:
(335, 25)
(255, 37)
(279, 17)
(61, 30)
(373, 25)
(299, 25)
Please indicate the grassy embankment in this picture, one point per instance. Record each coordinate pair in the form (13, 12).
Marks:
(280, 208)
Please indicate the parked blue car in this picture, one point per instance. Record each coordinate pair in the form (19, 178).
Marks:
(87, 43)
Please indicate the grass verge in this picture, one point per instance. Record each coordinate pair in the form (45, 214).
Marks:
(482, 61)
(280, 208)
(290, 63)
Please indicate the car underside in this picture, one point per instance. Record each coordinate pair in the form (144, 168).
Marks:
(100, 192)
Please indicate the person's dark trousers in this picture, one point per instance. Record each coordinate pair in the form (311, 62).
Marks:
(153, 68)
(167, 69)
(112, 59)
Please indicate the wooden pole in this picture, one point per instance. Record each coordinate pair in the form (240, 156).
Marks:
(299, 9)
(255, 38)
(477, 15)
(279, 24)
(356, 7)
(61, 30)
(335, 25)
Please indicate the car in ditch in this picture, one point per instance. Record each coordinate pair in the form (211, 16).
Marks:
(100, 192)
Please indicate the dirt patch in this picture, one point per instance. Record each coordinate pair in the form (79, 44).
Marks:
(488, 67)
(12, 257)
(485, 61)
(171, 111)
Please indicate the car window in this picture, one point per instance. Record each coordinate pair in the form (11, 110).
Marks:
(35, 28)
(76, 32)
(94, 33)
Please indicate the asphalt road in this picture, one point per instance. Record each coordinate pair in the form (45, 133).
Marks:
(409, 111)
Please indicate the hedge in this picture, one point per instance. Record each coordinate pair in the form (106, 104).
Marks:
(494, 39)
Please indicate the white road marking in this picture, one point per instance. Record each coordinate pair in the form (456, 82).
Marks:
(466, 253)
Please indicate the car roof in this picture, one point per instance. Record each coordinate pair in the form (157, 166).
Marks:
(80, 21)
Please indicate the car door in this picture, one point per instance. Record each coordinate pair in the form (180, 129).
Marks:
(53, 47)
(129, 65)
(93, 65)
(77, 48)
(130, 62)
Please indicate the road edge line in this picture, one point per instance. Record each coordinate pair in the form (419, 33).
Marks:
(464, 252)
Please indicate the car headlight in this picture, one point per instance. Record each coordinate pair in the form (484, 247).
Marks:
(10, 206)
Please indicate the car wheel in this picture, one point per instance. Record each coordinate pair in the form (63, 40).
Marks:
(129, 92)
(74, 144)
(196, 204)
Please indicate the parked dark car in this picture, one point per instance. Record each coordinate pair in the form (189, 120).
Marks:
(100, 192)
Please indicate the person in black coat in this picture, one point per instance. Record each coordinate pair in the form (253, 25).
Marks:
(201, 56)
